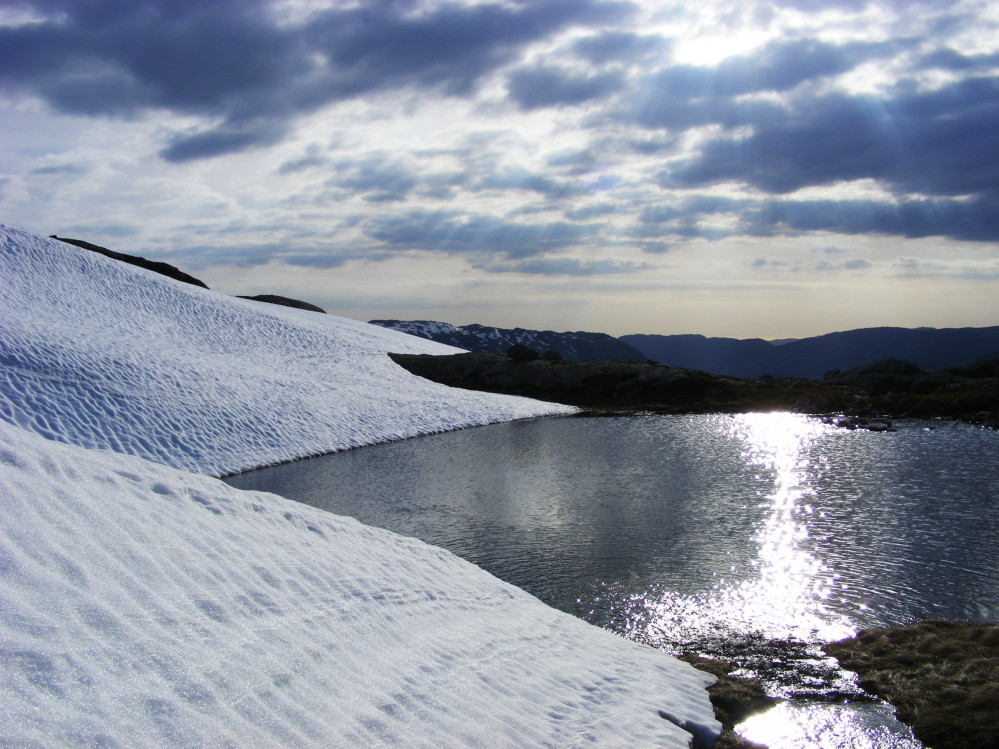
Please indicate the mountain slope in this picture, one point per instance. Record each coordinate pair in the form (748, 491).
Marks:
(104, 354)
(147, 605)
(574, 346)
(928, 348)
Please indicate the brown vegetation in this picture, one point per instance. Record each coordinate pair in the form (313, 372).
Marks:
(942, 678)
(733, 698)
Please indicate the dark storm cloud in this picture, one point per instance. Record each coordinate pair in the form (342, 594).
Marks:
(779, 66)
(233, 62)
(949, 59)
(448, 232)
(620, 46)
(972, 220)
(516, 178)
(534, 88)
(940, 142)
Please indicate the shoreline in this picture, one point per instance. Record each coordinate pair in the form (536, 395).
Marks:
(877, 392)
(941, 677)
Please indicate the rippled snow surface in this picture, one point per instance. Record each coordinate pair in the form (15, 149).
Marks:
(144, 606)
(102, 354)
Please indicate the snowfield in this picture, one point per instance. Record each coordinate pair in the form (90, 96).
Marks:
(103, 354)
(144, 603)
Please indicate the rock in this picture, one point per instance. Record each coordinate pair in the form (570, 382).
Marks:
(284, 302)
(164, 269)
(518, 352)
(620, 384)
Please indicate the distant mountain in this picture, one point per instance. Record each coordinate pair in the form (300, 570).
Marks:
(577, 346)
(749, 357)
(928, 348)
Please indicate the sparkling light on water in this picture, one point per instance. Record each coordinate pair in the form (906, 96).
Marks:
(795, 726)
(751, 538)
(781, 593)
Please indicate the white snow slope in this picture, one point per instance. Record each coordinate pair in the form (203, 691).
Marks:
(104, 354)
(144, 604)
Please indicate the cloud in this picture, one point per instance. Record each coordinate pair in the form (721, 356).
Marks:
(517, 178)
(971, 220)
(779, 66)
(971, 270)
(452, 233)
(592, 210)
(681, 97)
(564, 267)
(950, 59)
(936, 142)
(220, 141)
(234, 64)
(621, 46)
(379, 176)
(535, 88)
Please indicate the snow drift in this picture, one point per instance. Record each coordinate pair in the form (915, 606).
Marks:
(144, 604)
(107, 355)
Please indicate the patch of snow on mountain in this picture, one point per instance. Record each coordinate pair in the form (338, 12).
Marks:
(146, 606)
(106, 355)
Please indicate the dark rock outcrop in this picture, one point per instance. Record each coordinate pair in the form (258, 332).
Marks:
(521, 353)
(627, 385)
(155, 266)
(284, 302)
(867, 399)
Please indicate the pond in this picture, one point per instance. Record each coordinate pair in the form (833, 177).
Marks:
(752, 537)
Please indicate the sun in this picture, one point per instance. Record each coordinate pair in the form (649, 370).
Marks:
(708, 49)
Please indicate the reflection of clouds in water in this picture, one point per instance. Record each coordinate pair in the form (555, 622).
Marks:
(783, 592)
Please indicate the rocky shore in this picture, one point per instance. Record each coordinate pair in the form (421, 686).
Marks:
(891, 388)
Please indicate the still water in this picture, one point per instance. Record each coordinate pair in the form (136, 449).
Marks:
(752, 537)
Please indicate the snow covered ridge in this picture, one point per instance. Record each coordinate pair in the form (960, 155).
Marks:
(143, 604)
(147, 606)
(106, 355)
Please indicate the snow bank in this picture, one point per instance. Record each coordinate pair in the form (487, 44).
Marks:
(146, 606)
(106, 355)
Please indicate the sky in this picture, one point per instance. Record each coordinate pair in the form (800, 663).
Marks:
(771, 168)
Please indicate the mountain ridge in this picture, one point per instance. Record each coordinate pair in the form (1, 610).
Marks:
(811, 358)
(575, 346)
(814, 357)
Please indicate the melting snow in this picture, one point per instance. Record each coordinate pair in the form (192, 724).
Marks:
(145, 604)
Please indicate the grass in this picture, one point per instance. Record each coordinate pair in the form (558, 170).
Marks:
(942, 678)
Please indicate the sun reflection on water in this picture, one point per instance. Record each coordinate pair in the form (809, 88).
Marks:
(791, 584)
(780, 594)
(770, 613)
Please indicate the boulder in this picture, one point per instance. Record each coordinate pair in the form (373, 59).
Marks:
(284, 302)
(519, 352)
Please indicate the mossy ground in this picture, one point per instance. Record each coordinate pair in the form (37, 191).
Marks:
(941, 677)
(733, 698)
